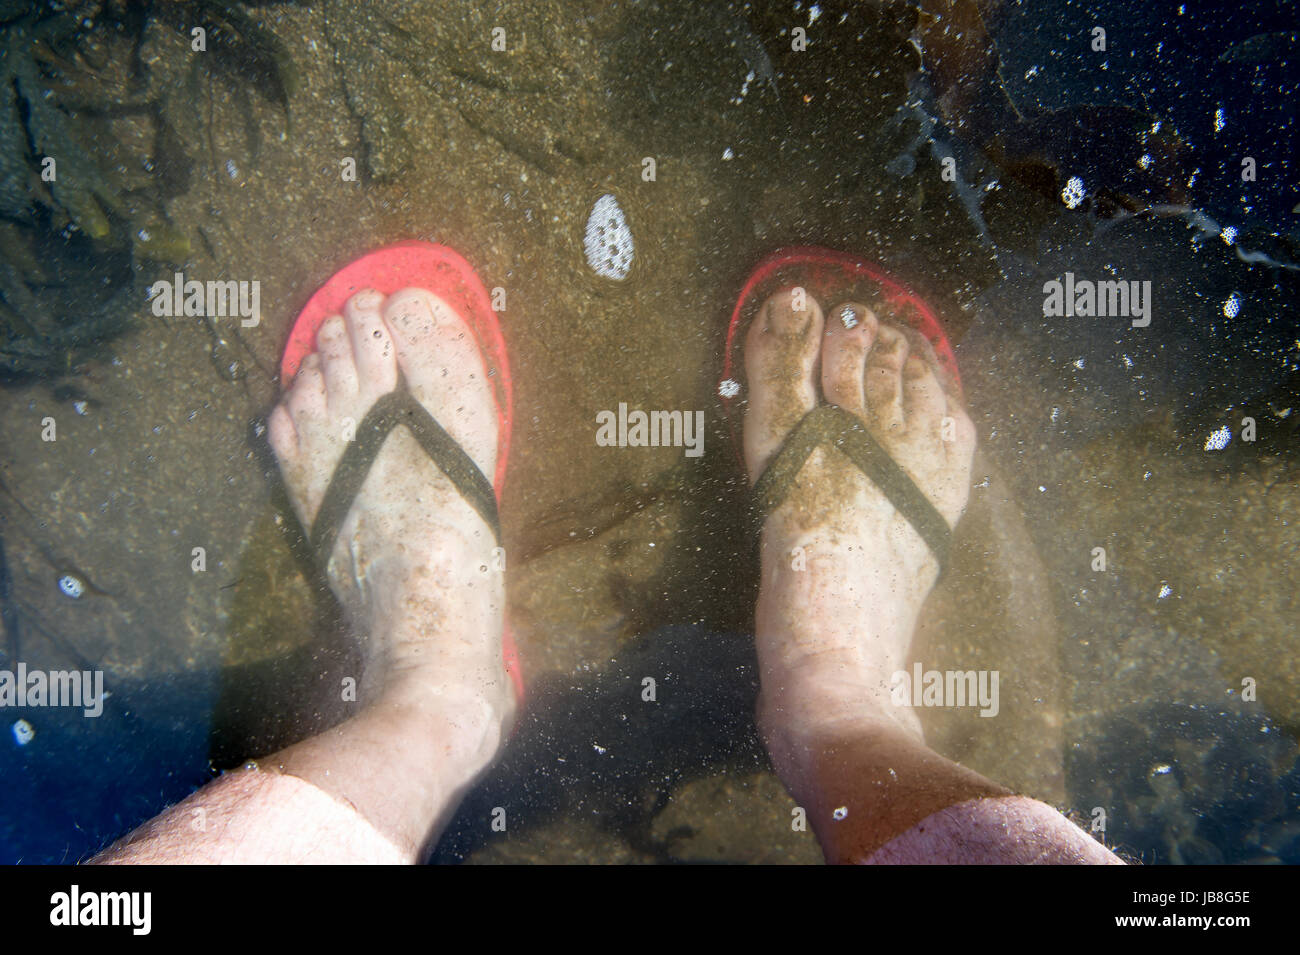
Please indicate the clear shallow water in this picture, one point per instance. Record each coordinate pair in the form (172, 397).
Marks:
(503, 158)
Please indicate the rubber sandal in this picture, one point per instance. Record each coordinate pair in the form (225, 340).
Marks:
(832, 277)
(446, 274)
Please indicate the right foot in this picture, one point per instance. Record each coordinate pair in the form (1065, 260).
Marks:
(844, 574)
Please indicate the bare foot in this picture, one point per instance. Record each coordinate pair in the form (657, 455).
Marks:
(844, 574)
(413, 562)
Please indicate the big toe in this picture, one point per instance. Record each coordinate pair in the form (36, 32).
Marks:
(444, 368)
(781, 353)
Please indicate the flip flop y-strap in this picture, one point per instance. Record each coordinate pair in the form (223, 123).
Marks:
(831, 426)
(398, 407)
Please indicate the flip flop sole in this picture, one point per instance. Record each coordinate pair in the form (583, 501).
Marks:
(445, 273)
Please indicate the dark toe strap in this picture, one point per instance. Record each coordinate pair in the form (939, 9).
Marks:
(398, 407)
(832, 426)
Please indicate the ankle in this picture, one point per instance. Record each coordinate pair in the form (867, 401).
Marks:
(886, 569)
(454, 732)
(800, 749)
(807, 716)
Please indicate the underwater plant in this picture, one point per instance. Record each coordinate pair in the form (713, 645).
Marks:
(89, 156)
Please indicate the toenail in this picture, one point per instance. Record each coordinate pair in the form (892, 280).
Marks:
(414, 310)
(914, 367)
(368, 299)
(850, 317)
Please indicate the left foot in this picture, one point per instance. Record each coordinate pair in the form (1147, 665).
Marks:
(413, 562)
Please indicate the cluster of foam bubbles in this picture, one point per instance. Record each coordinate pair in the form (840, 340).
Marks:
(608, 240)
(1218, 440)
(1073, 193)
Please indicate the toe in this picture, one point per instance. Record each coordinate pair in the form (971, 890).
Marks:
(922, 346)
(337, 364)
(281, 433)
(850, 330)
(443, 364)
(790, 313)
(931, 396)
(306, 399)
(884, 378)
(781, 353)
(372, 346)
(924, 401)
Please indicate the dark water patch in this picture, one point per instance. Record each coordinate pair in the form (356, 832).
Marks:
(1191, 784)
(591, 747)
(1169, 62)
(1066, 380)
(83, 782)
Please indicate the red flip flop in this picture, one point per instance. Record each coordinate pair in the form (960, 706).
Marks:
(831, 277)
(446, 274)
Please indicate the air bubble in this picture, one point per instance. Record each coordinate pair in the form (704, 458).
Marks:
(72, 586)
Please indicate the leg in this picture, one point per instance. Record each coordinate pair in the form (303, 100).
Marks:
(844, 577)
(412, 566)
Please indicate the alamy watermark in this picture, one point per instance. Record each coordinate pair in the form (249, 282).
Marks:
(75, 688)
(132, 909)
(946, 688)
(1069, 297)
(213, 299)
(651, 429)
